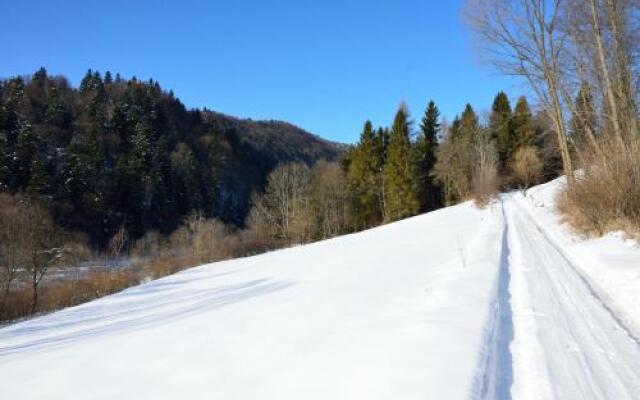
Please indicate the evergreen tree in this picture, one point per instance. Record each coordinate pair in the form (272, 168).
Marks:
(57, 118)
(38, 179)
(522, 125)
(86, 82)
(364, 171)
(426, 146)
(25, 151)
(400, 173)
(469, 124)
(382, 143)
(104, 154)
(454, 129)
(500, 128)
(81, 190)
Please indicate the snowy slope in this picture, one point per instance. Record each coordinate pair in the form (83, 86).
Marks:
(397, 312)
(502, 303)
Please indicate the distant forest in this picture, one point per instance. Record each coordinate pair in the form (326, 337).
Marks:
(124, 152)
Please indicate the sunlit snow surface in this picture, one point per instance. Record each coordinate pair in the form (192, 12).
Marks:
(456, 304)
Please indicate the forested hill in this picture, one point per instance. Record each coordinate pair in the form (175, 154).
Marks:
(249, 150)
(120, 151)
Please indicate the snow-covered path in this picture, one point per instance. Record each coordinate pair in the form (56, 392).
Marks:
(460, 304)
(568, 344)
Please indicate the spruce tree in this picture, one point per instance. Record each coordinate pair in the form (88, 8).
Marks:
(25, 150)
(86, 82)
(522, 125)
(400, 172)
(500, 128)
(469, 124)
(364, 171)
(382, 143)
(426, 146)
(454, 129)
(38, 179)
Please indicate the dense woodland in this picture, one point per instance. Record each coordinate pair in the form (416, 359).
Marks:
(118, 152)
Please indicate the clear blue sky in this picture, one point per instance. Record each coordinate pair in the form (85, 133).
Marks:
(324, 65)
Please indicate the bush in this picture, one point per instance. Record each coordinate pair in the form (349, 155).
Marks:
(606, 193)
(526, 167)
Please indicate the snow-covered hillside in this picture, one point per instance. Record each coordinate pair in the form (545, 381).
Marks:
(460, 303)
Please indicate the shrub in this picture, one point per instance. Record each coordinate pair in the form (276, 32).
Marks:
(606, 193)
(526, 167)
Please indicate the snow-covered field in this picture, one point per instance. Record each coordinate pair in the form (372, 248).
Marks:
(460, 303)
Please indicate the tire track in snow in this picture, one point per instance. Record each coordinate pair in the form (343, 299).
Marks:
(590, 285)
(496, 369)
(568, 344)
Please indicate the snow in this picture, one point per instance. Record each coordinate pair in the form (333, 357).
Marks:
(395, 312)
(567, 342)
(461, 303)
(610, 264)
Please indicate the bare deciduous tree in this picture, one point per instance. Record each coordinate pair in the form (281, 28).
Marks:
(118, 242)
(330, 199)
(31, 241)
(485, 172)
(285, 203)
(9, 263)
(523, 38)
(200, 239)
(41, 246)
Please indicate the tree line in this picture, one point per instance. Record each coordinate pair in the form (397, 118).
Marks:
(118, 152)
(113, 152)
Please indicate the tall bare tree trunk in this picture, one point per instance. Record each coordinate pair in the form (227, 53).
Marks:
(34, 283)
(616, 17)
(605, 75)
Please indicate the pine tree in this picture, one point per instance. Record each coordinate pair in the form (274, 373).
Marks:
(400, 173)
(522, 125)
(87, 81)
(382, 143)
(500, 128)
(469, 124)
(25, 150)
(454, 129)
(363, 176)
(39, 79)
(583, 121)
(426, 146)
